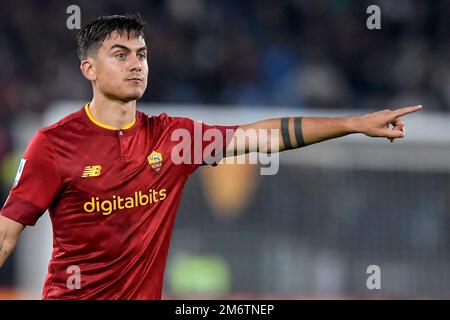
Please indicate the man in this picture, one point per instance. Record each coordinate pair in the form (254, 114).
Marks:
(108, 176)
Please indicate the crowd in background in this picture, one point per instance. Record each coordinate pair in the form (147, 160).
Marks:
(314, 53)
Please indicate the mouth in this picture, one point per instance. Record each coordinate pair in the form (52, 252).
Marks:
(135, 80)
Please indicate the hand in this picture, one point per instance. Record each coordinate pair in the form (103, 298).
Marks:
(386, 123)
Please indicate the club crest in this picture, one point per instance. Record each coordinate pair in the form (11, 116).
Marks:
(155, 160)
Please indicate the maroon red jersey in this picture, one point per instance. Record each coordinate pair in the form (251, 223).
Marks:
(112, 196)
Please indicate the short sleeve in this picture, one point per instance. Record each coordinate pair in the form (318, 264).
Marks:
(208, 142)
(37, 183)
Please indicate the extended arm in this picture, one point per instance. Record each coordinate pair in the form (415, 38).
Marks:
(297, 132)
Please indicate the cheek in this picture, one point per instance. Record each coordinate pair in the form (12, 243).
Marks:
(109, 66)
(146, 75)
(110, 75)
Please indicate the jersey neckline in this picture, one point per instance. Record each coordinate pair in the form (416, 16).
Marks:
(100, 127)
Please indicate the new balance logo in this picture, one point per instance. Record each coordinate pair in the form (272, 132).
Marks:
(92, 171)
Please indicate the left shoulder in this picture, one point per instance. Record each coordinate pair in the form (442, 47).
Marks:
(165, 120)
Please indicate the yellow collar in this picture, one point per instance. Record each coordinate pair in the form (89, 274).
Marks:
(105, 126)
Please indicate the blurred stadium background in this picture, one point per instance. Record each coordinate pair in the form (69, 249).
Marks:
(333, 209)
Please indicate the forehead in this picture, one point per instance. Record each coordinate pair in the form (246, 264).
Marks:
(124, 39)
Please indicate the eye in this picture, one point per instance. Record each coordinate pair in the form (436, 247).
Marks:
(142, 55)
(120, 56)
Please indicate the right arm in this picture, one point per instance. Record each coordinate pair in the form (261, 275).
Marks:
(36, 185)
(9, 234)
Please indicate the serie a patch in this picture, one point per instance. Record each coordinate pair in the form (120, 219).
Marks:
(19, 172)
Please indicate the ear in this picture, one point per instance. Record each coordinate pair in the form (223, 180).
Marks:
(87, 67)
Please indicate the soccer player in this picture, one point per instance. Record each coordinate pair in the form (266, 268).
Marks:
(106, 173)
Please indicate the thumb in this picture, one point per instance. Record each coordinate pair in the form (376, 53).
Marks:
(394, 134)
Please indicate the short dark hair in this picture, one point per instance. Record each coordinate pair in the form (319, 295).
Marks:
(93, 35)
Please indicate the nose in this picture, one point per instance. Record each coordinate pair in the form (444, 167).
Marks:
(135, 64)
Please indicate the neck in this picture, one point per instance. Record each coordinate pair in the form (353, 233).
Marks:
(115, 114)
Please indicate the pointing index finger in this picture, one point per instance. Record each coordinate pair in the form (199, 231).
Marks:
(406, 110)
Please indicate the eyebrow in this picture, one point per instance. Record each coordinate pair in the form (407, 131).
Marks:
(119, 46)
